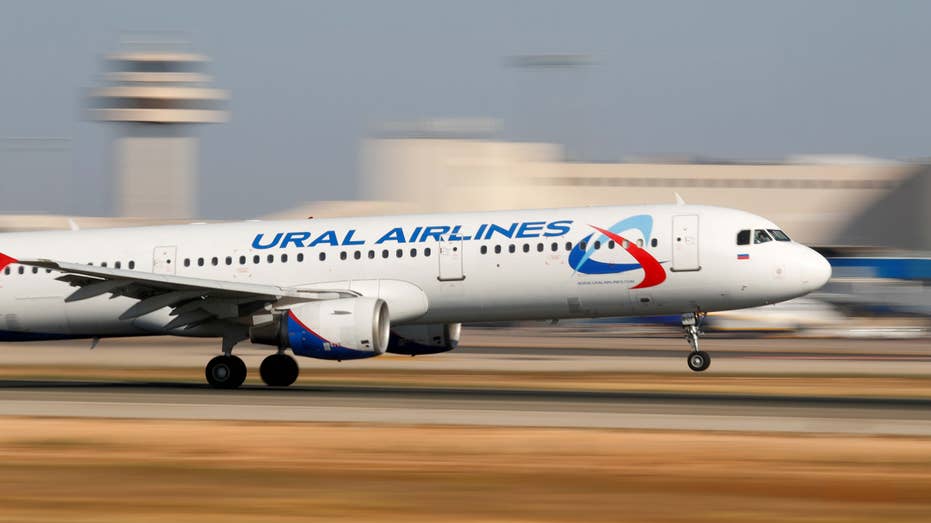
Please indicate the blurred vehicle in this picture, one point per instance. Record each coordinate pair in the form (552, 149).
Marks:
(788, 316)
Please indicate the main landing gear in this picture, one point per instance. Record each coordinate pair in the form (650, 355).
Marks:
(691, 323)
(278, 370)
(229, 372)
(226, 372)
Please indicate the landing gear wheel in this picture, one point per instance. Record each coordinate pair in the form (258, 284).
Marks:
(278, 370)
(699, 361)
(225, 372)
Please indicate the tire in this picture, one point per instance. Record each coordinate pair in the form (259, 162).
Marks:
(699, 361)
(225, 372)
(279, 370)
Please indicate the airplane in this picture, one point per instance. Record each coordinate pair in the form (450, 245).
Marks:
(351, 288)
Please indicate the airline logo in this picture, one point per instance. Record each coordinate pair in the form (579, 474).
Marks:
(581, 258)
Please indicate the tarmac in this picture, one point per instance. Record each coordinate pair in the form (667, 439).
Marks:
(487, 404)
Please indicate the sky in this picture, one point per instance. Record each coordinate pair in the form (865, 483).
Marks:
(309, 80)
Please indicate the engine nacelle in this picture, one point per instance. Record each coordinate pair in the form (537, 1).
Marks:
(343, 329)
(417, 340)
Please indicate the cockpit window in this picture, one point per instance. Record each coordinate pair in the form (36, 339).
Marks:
(761, 236)
(779, 235)
(743, 237)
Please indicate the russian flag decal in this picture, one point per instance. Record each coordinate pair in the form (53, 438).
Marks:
(743, 256)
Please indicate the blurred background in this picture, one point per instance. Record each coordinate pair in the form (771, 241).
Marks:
(814, 115)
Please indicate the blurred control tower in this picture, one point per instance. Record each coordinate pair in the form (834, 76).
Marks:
(154, 94)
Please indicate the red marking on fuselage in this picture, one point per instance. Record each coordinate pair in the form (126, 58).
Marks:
(653, 272)
(6, 260)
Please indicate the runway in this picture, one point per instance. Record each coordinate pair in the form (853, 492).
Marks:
(460, 406)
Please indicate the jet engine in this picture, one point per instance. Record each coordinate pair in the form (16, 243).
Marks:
(416, 340)
(342, 329)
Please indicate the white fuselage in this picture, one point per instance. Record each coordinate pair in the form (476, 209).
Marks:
(541, 272)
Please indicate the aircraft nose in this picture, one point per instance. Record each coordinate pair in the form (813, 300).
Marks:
(816, 271)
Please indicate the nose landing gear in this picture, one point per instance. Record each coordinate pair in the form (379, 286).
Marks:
(698, 360)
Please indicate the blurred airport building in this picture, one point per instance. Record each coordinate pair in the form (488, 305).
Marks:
(154, 96)
(824, 201)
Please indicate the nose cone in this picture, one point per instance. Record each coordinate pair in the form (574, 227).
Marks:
(816, 271)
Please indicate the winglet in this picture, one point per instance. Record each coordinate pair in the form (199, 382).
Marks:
(679, 200)
(6, 260)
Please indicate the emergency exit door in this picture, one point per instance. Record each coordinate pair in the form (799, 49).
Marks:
(163, 260)
(450, 256)
(685, 243)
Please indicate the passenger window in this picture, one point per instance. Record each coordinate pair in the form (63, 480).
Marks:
(35, 270)
(526, 248)
(484, 249)
(385, 253)
(322, 256)
(653, 242)
(357, 255)
(743, 237)
(427, 251)
(342, 255)
(597, 245)
(539, 247)
(568, 246)
(399, 253)
(284, 258)
(512, 249)
(187, 262)
(214, 261)
(779, 235)
(300, 257)
(118, 265)
(242, 260)
(132, 264)
(371, 255)
(497, 249)
(761, 236)
(200, 262)
(256, 259)
(270, 258)
(21, 270)
(611, 244)
(640, 243)
(413, 253)
(554, 247)
(583, 245)
(6, 271)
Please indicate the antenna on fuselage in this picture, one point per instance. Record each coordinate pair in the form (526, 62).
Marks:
(679, 200)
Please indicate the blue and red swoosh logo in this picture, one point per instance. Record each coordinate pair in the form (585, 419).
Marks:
(653, 272)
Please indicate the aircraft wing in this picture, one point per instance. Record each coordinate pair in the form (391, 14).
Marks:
(193, 300)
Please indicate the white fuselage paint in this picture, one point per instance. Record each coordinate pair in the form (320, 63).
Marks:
(455, 283)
